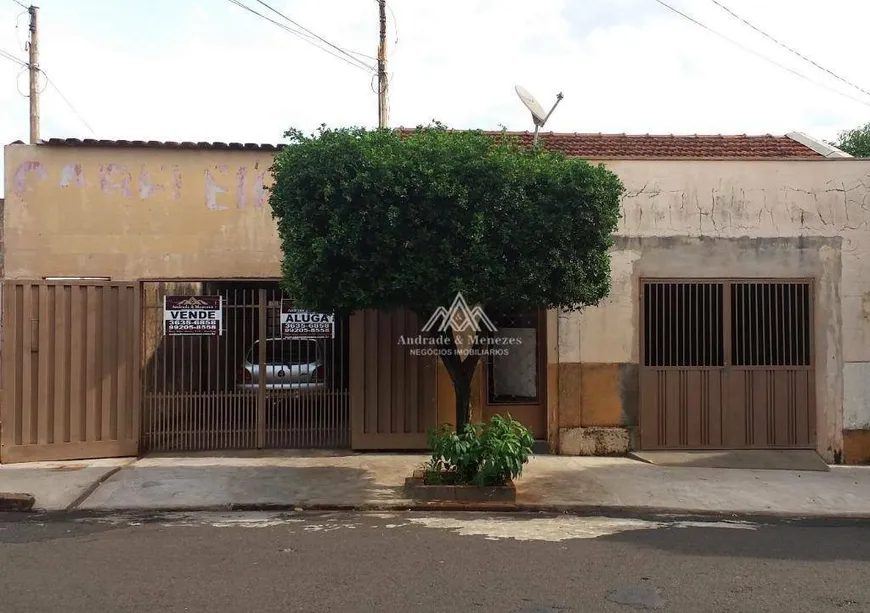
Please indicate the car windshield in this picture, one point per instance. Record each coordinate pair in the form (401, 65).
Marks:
(286, 352)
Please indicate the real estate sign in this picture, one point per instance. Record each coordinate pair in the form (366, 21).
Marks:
(193, 315)
(297, 323)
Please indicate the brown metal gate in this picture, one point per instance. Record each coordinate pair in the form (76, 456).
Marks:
(727, 364)
(238, 390)
(70, 370)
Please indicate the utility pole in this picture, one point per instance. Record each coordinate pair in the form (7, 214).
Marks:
(33, 47)
(383, 87)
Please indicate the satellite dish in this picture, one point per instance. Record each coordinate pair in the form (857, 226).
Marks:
(539, 116)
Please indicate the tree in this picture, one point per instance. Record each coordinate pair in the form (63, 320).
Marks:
(855, 142)
(384, 219)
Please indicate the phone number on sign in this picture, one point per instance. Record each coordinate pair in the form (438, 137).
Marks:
(175, 327)
(310, 327)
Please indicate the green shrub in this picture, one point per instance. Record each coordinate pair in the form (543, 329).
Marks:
(481, 454)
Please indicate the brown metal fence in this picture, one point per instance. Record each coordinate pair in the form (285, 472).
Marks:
(248, 388)
(727, 364)
(70, 370)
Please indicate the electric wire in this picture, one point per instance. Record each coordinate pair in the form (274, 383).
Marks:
(790, 49)
(760, 55)
(352, 61)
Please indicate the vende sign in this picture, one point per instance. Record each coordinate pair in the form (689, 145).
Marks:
(296, 323)
(193, 315)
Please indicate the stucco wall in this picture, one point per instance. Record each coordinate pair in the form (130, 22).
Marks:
(692, 218)
(130, 213)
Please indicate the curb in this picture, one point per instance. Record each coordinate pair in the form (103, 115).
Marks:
(625, 512)
(16, 502)
(93, 487)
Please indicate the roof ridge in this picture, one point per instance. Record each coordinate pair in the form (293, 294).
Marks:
(586, 145)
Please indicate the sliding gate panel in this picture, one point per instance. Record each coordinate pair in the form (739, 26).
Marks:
(247, 388)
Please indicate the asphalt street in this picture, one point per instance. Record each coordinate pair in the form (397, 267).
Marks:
(386, 562)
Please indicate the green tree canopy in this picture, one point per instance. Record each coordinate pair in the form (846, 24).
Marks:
(855, 142)
(381, 219)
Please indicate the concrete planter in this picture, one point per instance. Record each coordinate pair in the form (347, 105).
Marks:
(417, 489)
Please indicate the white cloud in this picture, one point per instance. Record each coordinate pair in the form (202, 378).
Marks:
(207, 70)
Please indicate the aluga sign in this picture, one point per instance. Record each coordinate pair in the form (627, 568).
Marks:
(296, 323)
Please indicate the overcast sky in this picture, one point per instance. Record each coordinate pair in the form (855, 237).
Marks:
(208, 70)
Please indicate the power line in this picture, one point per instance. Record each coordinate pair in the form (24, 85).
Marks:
(784, 46)
(21, 4)
(10, 57)
(301, 27)
(68, 103)
(760, 55)
(352, 61)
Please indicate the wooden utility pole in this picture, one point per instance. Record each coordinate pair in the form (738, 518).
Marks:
(33, 47)
(383, 87)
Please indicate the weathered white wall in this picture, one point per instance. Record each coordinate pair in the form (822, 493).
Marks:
(133, 213)
(744, 210)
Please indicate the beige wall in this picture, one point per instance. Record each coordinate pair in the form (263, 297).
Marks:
(733, 219)
(130, 213)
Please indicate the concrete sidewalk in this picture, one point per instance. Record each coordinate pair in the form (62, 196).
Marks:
(58, 486)
(318, 480)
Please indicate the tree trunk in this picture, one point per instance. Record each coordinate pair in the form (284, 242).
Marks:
(461, 373)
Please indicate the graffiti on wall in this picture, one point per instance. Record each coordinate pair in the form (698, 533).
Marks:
(224, 189)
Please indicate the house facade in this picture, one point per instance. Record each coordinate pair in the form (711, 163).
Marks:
(738, 316)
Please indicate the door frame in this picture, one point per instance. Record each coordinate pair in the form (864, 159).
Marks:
(538, 424)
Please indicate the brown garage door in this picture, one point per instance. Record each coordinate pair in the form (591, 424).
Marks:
(727, 364)
(70, 370)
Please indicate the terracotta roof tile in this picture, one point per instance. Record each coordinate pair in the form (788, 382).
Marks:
(596, 146)
(608, 146)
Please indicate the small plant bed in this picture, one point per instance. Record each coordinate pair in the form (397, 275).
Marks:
(478, 464)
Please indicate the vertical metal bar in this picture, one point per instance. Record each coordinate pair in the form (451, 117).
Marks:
(727, 290)
(153, 341)
(802, 315)
(779, 337)
(662, 327)
(229, 391)
(692, 323)
(703, 326)
(811, 322)
(752, 311)
(679, 333)
(712, 325)
(740, 305)
(261, 392)
(789, 323)
(766, 323)
(241, 402)
(671, 300)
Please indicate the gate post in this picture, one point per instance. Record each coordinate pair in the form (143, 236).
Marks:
(261, 388)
